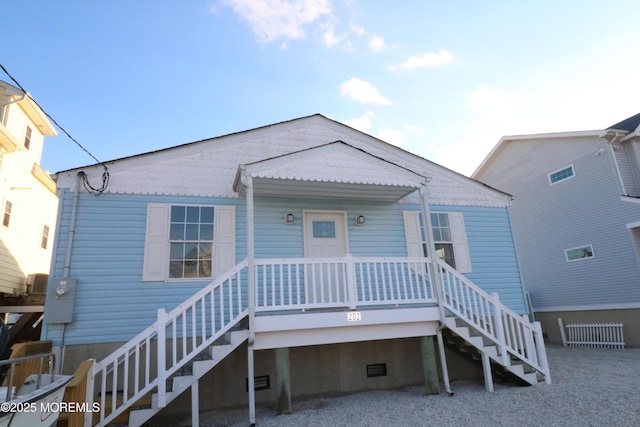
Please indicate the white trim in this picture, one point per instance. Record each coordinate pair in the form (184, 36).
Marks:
(573, 174)
(613, 306)
(633, 224)
(506, 139)
(630, 199)
(566, 255)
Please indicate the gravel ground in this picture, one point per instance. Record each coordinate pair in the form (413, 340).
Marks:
(591, 387)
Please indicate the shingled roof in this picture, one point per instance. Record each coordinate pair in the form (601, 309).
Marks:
(629, 125)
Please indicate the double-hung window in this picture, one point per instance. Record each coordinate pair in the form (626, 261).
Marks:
(449, 237)
(27, 137)
(188, 241)
(6, 216)
(44, 241)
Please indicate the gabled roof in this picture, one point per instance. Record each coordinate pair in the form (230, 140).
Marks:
(335, 170)
(208, 167)
(30, 108)
(629, 125)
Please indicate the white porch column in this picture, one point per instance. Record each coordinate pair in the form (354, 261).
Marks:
(435, 277)
(248, 181)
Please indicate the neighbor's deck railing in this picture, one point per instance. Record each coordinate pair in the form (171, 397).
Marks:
(511, 332)
(304, 283)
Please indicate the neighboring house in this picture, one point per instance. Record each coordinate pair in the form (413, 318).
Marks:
(28, 201)
(302, 244)
(576, 221)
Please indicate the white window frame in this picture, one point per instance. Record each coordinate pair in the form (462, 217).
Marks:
(157, 243)
(416, 243)
(28, 136)
(573, 170)
(589, 247)
(44, 236)
(6, 213)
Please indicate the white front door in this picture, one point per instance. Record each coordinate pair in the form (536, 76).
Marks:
(325, 236)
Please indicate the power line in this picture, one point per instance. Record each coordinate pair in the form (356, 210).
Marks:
(85, 180)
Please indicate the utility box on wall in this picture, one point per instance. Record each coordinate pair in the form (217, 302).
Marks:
(61, 298)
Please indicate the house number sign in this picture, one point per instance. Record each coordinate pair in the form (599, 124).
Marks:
(354, 316)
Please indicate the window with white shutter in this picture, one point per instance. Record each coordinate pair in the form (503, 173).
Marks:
(188, 241)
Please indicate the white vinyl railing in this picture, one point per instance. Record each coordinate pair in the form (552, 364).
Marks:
(149, 359)
(510, 332)
(302, 283)
(592, 335)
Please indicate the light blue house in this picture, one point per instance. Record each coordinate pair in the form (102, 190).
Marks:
(294, 259)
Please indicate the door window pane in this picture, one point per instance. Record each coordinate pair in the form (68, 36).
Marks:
(324, 229)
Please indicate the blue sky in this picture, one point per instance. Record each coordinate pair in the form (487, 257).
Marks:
(444, 80)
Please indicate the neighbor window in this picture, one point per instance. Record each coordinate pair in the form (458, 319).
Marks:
(45, 237)
(191, 241)
(27, 137)
(7, 213)
(561, 174)
(579, 253)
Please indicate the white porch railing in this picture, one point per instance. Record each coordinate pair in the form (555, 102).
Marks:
(303, 283)
(510, 332)
(149, 359)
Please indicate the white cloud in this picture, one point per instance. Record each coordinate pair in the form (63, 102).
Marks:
(274, 19)
(362, 91)
(329, 37)
(362, 123)
(376, 44)
(356, 29)
(425, 60)
(391, 136)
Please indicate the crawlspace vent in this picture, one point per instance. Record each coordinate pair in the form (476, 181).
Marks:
(259, 383)
(377, 370)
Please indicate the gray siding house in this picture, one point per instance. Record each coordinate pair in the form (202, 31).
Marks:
(576, 221)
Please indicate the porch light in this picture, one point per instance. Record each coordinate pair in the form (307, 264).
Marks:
(360, 220)
(289, 218)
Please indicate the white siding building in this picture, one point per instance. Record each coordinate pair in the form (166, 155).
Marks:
(28, 201)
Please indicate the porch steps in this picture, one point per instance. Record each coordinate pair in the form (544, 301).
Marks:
(465, 341)
(192, 373)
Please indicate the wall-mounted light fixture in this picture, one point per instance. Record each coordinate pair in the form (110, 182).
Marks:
(289, 218)
(360, 220)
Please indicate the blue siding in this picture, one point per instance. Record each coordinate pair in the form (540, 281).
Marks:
(492, 252)
(113, 304)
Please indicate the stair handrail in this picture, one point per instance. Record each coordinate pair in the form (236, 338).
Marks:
(511, 332)
(133, 347)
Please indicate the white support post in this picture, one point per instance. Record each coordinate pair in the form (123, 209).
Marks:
(195, 405)
(428, 231)
(251, 386)
(352, 293)
(486, 368)
(497, 313)
(162, 362)
(529, 344)
(443, 362)
(542, 352)
(248, 182)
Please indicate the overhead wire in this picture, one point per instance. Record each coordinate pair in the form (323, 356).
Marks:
(85, 180)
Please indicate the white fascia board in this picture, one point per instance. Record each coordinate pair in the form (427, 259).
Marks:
(590, 307)
(553, 135)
